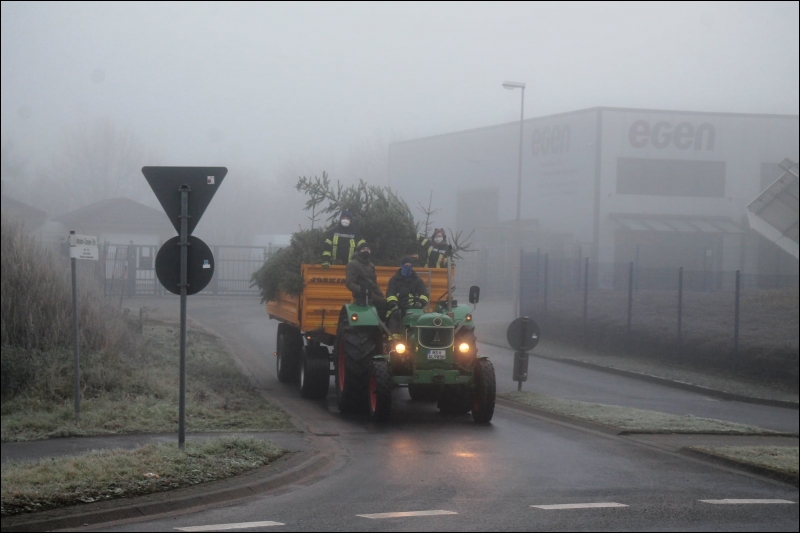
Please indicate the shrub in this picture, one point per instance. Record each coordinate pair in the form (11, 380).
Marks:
(36, 326)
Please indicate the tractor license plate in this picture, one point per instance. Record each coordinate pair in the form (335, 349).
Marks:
(437, 354)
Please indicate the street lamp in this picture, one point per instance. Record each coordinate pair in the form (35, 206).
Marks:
(511, 85)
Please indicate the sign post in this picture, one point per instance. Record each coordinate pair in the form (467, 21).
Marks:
(184, 193)
(80, 247)
(523, 336)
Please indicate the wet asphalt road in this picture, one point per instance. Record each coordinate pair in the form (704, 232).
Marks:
(489, 477)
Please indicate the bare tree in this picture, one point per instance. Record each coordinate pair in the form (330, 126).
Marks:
(96, 161)
(13, 171)
(428, 211)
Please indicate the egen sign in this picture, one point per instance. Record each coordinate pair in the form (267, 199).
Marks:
(662, 134)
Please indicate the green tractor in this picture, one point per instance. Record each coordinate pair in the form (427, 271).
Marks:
(436, 359)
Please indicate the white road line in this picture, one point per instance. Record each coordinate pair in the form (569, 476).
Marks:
(222, 527)
(736, 502)
(579, 505)
(411, 513)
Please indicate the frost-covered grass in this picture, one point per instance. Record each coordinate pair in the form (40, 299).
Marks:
(111, 474)
(145, 399)
(782, 459)
(630, 419)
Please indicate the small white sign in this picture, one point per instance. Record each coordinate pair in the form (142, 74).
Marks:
(83, 247)
(206, 264)
(210, 180)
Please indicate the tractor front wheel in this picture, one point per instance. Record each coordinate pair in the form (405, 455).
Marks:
(380, 391)
(484, 391)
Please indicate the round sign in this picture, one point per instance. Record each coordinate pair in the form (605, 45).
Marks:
(199, 265)
(523, 334)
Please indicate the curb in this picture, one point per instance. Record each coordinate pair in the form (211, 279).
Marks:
(664, 381)
(290, 470)
(565, 419)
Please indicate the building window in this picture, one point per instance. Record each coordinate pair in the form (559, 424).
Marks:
(671, 177)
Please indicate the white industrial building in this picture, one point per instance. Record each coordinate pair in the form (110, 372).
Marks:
(666, 188)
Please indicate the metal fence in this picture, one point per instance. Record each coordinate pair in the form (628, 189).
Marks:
(128, 270)
(671, 310)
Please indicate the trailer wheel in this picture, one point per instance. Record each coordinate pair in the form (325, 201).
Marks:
(288, 350)
(315, 373)
(380, 391)
(354, 348)
(483, 394)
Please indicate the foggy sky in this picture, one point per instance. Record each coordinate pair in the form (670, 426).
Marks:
(255, 84)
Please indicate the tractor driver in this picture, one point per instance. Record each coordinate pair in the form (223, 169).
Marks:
(406, 291)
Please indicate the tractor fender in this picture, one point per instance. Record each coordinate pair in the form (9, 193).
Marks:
(361, 315)
(460, 313)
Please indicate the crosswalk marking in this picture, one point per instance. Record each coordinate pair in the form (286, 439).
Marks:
(222, 527)
(404, 514)
(734, 501)
(579, 505)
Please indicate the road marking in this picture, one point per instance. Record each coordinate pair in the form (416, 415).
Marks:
(222, 527)
(735, 502)
(579, 505)
(411, 513)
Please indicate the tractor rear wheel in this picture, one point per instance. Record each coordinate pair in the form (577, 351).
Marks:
(315, 373)
(354, 348)
(483, 394)
(380, 391)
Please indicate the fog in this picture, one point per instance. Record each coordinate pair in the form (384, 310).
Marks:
(276, 90)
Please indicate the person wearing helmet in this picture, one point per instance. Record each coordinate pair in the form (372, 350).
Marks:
(434, 249)
(341, 241)
(361, 278)
(406, 291)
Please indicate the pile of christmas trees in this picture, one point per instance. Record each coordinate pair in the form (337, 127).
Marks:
(379, 215)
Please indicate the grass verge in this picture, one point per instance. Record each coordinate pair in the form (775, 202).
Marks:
(144, 395)
(781, 459)
(633, 420)
(111, 474)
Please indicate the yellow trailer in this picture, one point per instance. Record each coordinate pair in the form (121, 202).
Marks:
(317, 308)
(308, 321)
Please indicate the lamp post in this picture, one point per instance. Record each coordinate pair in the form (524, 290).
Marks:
(511, 85)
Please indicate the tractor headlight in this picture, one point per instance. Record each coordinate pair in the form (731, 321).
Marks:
(400, 348)
(463, 347)
(354, 317)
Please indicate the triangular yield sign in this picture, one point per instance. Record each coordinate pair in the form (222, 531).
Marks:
(166, 182)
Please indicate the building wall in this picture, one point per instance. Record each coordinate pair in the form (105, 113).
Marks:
(581, 167)
(558, 160)
(691, 164)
